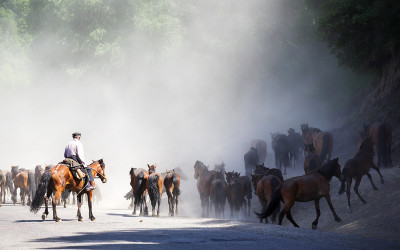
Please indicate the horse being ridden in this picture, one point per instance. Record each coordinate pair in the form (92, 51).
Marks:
(310, 187)
(204, 178)
(139, 179)
(218, 194)
(312, 161)
(250, 160)
(172, 182)
(59, 178)
(381, 137)
(155, 188)
(358, 166)
(280, 145)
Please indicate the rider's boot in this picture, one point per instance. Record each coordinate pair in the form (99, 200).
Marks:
(90, 186)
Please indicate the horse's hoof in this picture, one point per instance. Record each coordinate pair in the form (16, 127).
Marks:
(364, 202)
(92, 218)
(58, 220)
(80, 219)
(44, 216)
(375, 188)
(314, 227)
(133, 213)
(338, 219)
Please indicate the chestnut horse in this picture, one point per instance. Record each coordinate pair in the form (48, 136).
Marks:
(310, 187)
(25, 181)
(155, 188)
(381, 136)
(59, 178)
(204, 178)
(312, 161)
(264, 186)
(139, 178)
(358, 166)
(172, 182)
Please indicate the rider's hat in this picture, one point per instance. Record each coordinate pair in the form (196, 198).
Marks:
(76, 134)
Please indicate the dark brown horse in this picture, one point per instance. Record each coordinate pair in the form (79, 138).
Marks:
(155, 188)
(310, 187)
(233, 178)
(381, 136)
(218, 193)
(296, 146)
(261, 169)
(358, 166)
(59, 178)
(264, 187)
(204, 178)
(172, 183)
(250, 160)
(139, 178)
(312, 161)
(281, 146)
(261, 147)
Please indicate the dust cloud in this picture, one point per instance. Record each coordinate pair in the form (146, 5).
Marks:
(204, 94)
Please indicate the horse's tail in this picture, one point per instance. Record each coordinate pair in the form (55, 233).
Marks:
(153, 188)
(31, 184)
(9, 182)
(275, 184)
(140, 184)
(2, 180)
(272, 205)
(343, 181)
(325, 147)
(249, 193)
(176, 191)
(40, 192)
(129, 195)
(219, 189)
(382, 144)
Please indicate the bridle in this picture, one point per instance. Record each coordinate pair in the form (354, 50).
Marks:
(98, 173)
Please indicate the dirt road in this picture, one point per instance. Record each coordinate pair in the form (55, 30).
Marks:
(119, 229)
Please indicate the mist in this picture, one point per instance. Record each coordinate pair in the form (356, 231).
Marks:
(202, 90)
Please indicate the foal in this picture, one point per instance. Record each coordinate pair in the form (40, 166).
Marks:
(358, 166)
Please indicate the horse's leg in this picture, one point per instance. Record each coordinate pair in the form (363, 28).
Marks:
(348, 186)
(328, 199)
(356, 185)
(56, 197)
(158, 205)
(315, 222)
(176, 204)
(146, 209)
(90, 194)
(372, 183)
(290, 218)
(379, 155)
(73, 198)
(22, 196)
(379, 172)
(79, 200)
(169, 195)
(389, 152)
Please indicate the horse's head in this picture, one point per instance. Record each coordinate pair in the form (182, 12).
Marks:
(152, 168)
(219, 175)
(274, 135)
(335, 168)
(181, 173)
(99, 167)
(304, 127)
(220, 167)
(132, 171)
(199, 169)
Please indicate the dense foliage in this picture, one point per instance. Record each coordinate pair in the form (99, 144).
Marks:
(364, 34)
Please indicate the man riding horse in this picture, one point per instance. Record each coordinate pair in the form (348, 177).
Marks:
(74, 151)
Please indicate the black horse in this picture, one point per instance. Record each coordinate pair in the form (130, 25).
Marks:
(296, 146)
(281, 146)
(250, 161)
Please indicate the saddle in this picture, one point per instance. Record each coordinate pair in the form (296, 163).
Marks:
(75, 167)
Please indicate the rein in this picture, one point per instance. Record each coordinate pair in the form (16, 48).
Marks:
(98, 172)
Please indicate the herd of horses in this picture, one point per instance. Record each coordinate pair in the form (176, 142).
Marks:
(217, 187)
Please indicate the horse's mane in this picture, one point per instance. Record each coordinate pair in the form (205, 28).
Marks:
(366, 149)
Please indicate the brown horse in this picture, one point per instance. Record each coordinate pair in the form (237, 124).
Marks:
(218, 194)
(312, 161)
(233, 178)
(25, 181)
(204, 178)
(2, 186)
(155, 189)
(261, 169)
(172, 182)
(59, 178)
(139, 178)
(358, 166)
(264, 187)
(310, 187)
(7, 185)
(322, 141)
(381, 136)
